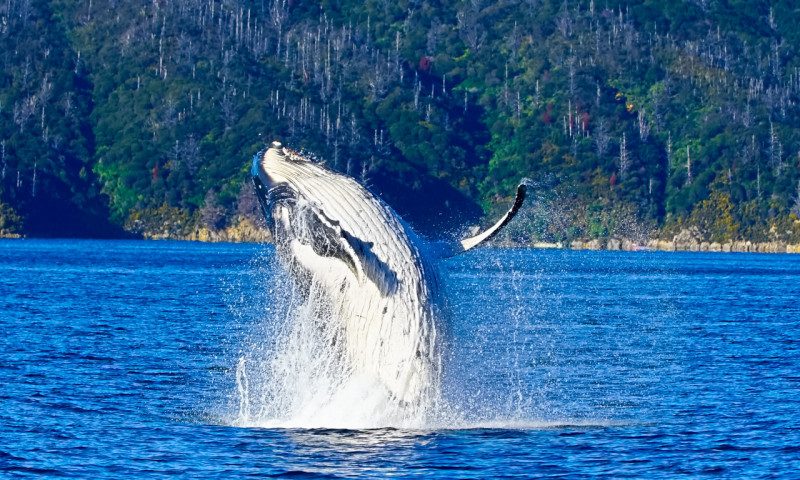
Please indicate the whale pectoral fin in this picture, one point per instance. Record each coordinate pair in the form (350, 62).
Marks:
(471, 242)
(329, 239)
(376, 270)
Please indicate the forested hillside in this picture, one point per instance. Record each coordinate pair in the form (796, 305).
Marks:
(628, 117)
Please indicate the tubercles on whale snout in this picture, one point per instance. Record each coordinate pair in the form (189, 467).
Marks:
(273, 165)
(265, 163)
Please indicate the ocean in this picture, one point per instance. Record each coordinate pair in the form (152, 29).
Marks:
(152, 359)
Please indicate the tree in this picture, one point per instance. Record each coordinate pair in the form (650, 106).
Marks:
(624, 156)
(247, 205)
(602, 138)
(212, 214)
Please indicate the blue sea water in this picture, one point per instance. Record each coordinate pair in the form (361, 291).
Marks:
(119, 359)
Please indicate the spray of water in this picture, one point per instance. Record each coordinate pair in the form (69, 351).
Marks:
(294, 370)
(498, 367)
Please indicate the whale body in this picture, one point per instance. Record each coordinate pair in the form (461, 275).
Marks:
(350, 250)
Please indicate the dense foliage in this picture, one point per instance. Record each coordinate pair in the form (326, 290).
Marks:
(627, 116)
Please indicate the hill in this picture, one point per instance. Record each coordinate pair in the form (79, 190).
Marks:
(628, 118)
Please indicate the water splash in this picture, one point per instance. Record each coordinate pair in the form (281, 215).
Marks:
(503, 372)
(293, 369)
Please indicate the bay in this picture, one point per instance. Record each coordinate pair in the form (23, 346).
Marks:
(119, 359)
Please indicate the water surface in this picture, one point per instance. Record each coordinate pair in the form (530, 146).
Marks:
(119, 359)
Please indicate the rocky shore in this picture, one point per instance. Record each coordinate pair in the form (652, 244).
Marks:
(244, 231)
(247, 232)
(685, 246)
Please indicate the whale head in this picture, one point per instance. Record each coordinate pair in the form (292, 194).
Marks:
(270, 165)
(273, 173)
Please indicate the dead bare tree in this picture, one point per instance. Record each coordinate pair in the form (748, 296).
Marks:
(624, 156)
(247, 206)
(190, 151)
(602, 138)
(689, 167)
(644, 124)
(212, 214)
(469, 29)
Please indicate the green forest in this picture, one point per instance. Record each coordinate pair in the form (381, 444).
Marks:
(627, 118)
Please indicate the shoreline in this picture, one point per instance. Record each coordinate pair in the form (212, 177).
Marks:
(252, 234)
(741, 246)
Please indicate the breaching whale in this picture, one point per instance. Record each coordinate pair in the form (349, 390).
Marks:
(347, 247)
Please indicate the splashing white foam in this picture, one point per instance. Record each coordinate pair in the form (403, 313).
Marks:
(294, 371)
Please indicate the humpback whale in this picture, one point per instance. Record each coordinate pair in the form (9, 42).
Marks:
(376, 282)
